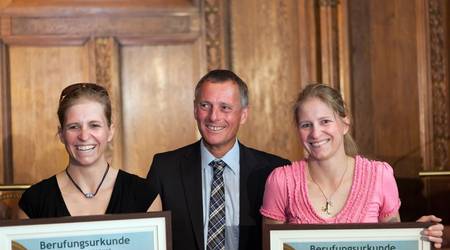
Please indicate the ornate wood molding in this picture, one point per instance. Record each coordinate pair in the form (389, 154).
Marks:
(217, 34)
(103, 60)
(45, 25)
(439, 85)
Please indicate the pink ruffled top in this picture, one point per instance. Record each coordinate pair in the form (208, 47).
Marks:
(373, 195)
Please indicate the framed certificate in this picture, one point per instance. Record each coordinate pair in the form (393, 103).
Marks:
(140, 231)
(366, 236)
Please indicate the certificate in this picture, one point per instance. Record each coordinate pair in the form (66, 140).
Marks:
(140, 231)
(366, 236)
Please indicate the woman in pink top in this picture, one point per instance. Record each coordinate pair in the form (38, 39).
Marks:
(333, 184)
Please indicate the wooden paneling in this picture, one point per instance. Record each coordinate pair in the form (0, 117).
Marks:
(265, 54)
(391, 89)
(157, 92)
(74, 22)
(57, 42)
(37, 77)
(4, 113)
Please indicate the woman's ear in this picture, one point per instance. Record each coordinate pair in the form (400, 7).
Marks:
(111, 132)
(346, 122)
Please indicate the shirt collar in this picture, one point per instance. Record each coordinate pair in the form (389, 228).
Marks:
(231, 158)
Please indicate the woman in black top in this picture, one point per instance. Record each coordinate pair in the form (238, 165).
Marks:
(88, 185)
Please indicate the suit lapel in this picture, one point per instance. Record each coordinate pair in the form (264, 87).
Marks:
(192, 181)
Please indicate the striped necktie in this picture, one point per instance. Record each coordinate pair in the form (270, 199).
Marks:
(216, 223)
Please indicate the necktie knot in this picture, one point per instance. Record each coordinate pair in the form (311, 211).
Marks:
(218, 166)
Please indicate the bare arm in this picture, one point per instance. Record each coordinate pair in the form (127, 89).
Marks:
(22, 215)
(156, 205)
(393, 218)
(267, 220)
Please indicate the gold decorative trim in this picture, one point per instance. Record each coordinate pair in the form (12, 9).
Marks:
(17, 187)
(439, 86)
(434, 173)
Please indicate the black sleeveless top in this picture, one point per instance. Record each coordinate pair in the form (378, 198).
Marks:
(131, 194)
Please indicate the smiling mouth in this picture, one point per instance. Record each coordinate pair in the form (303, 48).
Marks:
(214, 128)
(85, 148)
(318, 143)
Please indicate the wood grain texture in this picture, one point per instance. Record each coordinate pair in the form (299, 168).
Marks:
(63, 22)
(91, 7)
(387, 112)
(4, 115)
(265, 54)
(38, 74)
(157, 92)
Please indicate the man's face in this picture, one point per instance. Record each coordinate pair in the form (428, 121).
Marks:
(219, 114)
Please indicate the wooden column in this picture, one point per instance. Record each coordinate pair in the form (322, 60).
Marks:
(6, 167)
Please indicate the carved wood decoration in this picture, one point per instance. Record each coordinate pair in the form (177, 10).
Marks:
(439, 88)
(216, 29)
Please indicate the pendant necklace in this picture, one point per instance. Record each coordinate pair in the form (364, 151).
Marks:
(88, 195)
(328, 204)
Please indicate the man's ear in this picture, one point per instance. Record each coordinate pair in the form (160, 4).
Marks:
(244, 114)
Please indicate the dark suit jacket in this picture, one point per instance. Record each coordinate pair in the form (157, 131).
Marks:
(177, 176)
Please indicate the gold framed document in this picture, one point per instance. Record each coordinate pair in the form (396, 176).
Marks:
(139, 231)
(366, 236)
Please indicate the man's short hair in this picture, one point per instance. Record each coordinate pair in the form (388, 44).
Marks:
(220, 76)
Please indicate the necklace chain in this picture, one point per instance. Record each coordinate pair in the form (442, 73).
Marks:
(88, 194)
(328, 204)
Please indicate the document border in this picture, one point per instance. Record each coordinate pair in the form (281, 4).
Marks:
(274, 235)
(160, 222)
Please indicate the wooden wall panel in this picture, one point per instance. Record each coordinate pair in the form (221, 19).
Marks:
(394, 78)
(158, 92)
(389, 93)
(265, 54)
(38, 74)
(4, 110)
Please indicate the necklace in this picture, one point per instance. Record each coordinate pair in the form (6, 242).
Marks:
(328, 204)
(88, 194)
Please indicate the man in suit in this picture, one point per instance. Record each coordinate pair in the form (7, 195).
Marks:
(184, 176)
